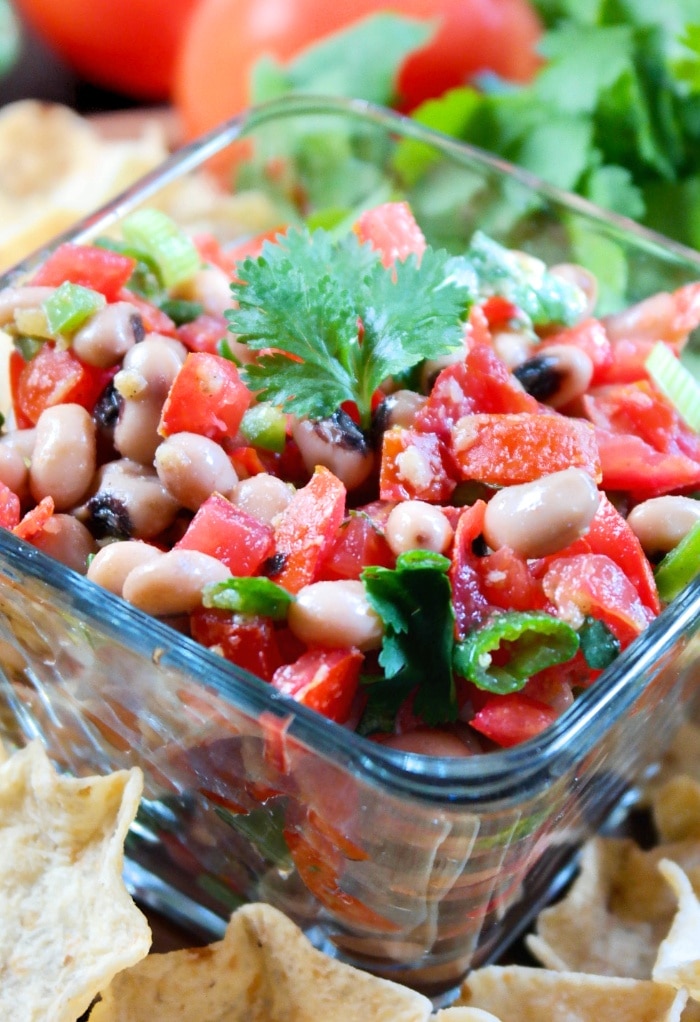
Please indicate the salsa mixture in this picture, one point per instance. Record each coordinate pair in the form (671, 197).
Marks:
(430, 496)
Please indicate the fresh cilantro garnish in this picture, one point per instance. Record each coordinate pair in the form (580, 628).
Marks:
(414, 602)
(338, 322)
(248, 596)
(598, 644)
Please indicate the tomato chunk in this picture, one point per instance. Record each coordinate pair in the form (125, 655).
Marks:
(247, 640)
(207, 396)
(98, 268)
(9, 507)
(305, 530)
(514, 718)
(502, 450)
(392, 229)
(412, 467)
(230, 534)
(325, 680)
(54, 376)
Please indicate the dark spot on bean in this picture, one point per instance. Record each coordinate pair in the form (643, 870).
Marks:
(108, 516)
(274, 565)
(341, 430)
(137, 327)
(479, 547)
(380, 421)
(108, 406)
(540, 376)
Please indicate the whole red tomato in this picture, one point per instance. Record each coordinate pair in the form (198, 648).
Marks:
(125, 45)
(225, 38)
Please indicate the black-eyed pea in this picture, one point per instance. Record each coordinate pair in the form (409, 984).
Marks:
(541, 517)
(210, 286)
(64, 455)
(432, 367)
(416, 525)
(263, 496)
(399, 409)
(335, 614)
(557, 374)
(338, 444)
(512, 346)
(113, 562)
(67, 540)
(128, 502)
(173, 583)
(192, 467)
(109, 335)
(660, 523)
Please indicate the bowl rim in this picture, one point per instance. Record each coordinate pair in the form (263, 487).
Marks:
(486, 777)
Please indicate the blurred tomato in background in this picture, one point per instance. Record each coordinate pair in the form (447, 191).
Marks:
(129, 46)
(225, 38)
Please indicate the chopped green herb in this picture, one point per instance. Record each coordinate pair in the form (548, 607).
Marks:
(414, 602)
(253, 595)
(339, 321)
(502, 654)
(598, 644)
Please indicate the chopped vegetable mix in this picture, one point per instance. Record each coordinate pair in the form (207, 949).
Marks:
(343, 480)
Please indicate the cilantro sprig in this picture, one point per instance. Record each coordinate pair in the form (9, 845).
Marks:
(335, 322)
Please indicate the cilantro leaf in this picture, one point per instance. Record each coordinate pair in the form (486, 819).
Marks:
(414, 601)
(305, 297)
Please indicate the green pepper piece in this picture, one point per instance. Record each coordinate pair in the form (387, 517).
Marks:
(181, 310)
(248, 596)
(533, 640)
(265, 426)
(69, 306)
(680, 566)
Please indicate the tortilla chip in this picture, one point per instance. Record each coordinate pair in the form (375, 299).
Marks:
(678, 960)
(516, 993)
(68, 922)
(464, 1015)
(264, 970)
(682, 757)
(676, 809)
(616, 913)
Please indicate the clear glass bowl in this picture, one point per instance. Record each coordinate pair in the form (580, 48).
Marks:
(416, 868)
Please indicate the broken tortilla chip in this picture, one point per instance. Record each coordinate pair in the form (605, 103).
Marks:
(68, 922)
(264, 970)
(517, 993)
(678, 959)
(676, 809)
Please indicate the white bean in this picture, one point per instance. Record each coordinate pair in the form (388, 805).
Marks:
(416, 525)
(14, 470)
(400, 408)
(336, 443)
(512, 347)
(143, 383)
(539, 518)
(173, 583)
(67, 540)
(13, 299)
(335, 614)
(263, 496)
(212, 287)
(64, 457)
(192, 467)
(111, 565)
(660, 523)
(108, 335)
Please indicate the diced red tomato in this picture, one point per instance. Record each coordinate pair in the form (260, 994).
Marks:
(325, 680)
(630, 464)
(230, 534)
(610, 534)
(412, 467)
(594, 584)
(590, 336)
(97, 268)
(35, 519)
(207, 396)
(306, 529)
(203, 333)
(54, 376)
(498, 310)
(502, 450)
(514, 718)
(392, 229)
(358, 543)
(470, 603)
(9, 508)
(508, 582)
(247, 640)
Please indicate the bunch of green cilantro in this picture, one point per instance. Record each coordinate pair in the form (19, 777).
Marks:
(614, 113)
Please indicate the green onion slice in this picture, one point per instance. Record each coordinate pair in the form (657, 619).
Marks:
(680, 566)
(676, 382)
(505, 652)
(174, 254)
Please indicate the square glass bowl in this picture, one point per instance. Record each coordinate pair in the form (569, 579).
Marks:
(415, 868)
